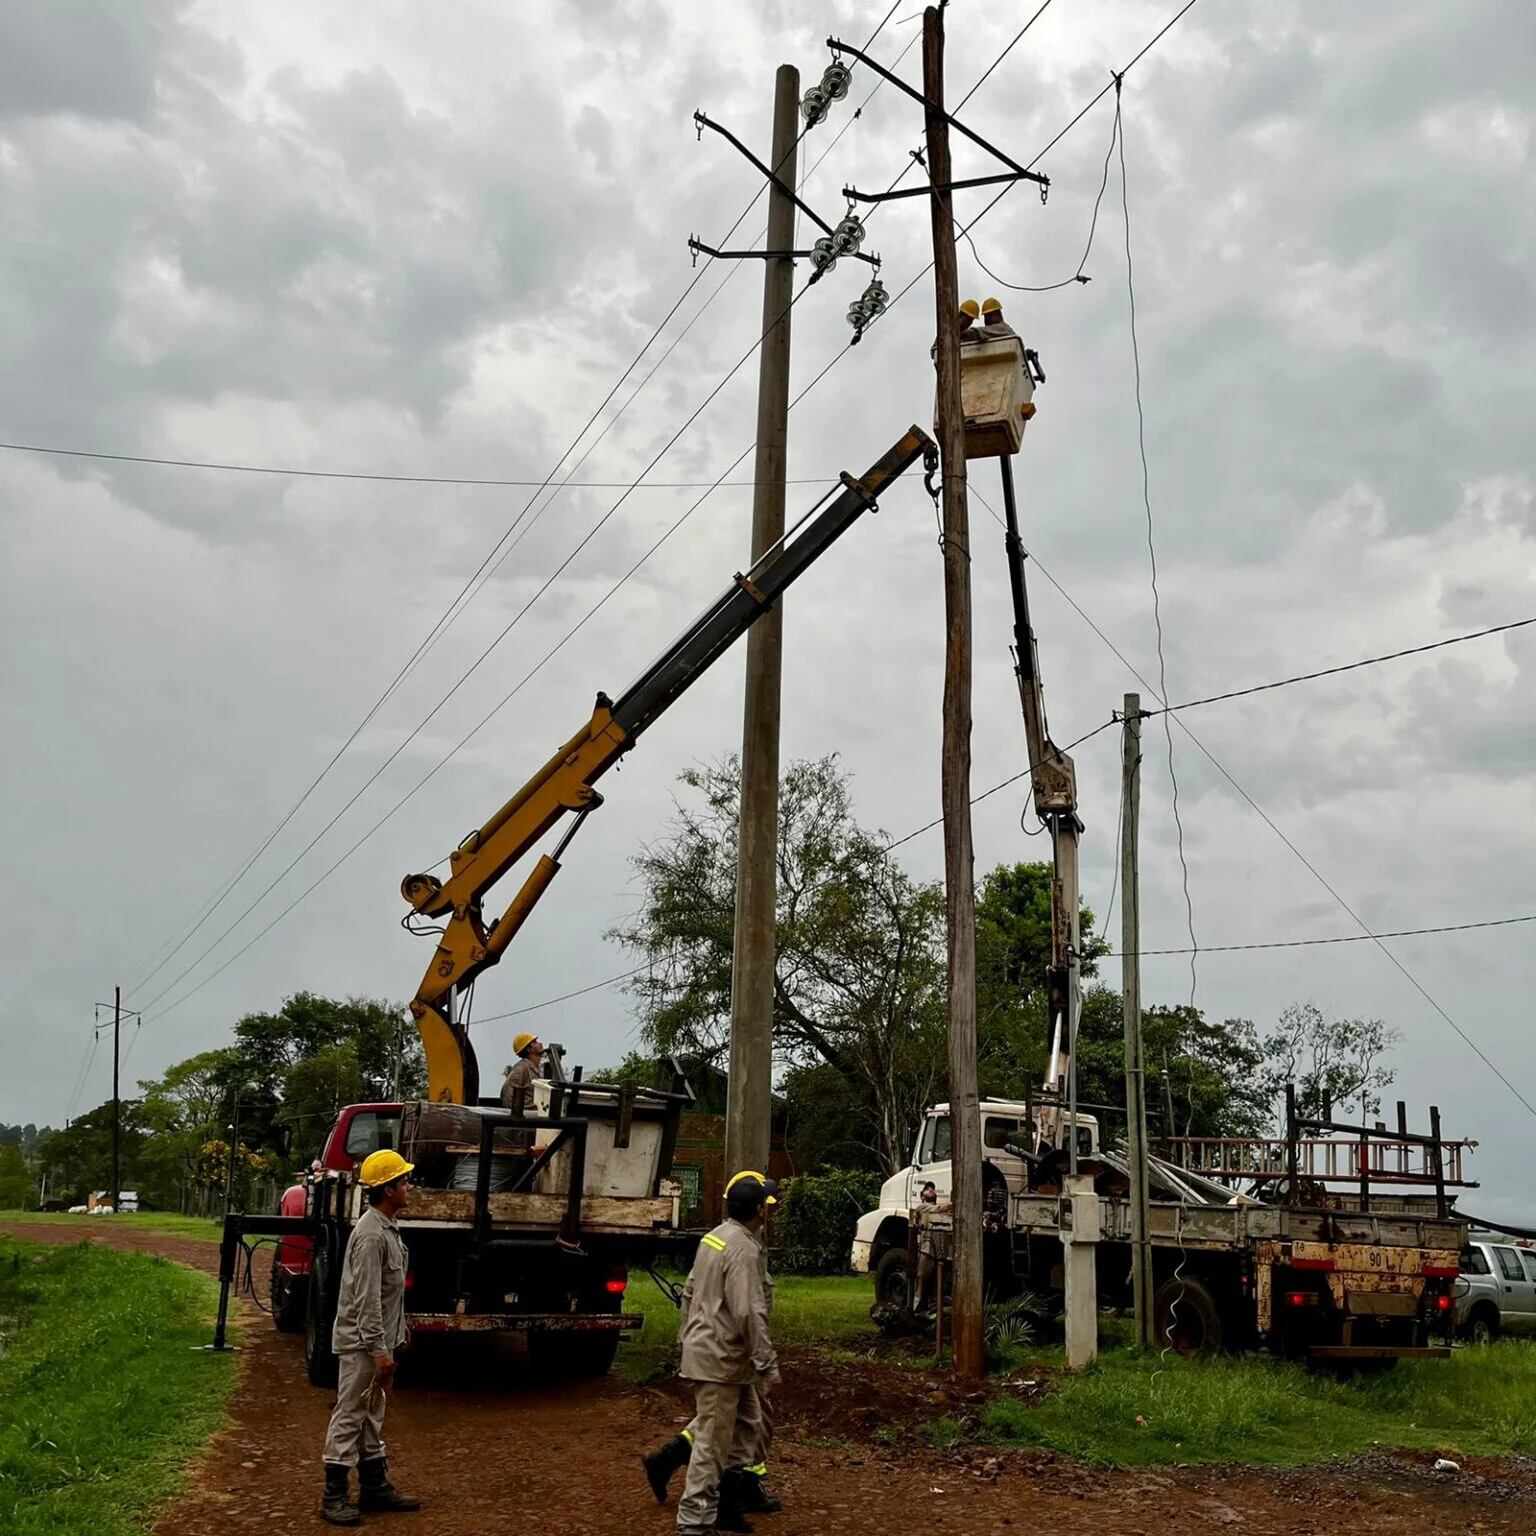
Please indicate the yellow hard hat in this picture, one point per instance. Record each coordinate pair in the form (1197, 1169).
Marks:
(988, 306)
(769, 1186)
(382, 1168)
(970, 307)
(520, 1043)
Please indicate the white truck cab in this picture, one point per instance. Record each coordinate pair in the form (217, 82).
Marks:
(1003, 1121)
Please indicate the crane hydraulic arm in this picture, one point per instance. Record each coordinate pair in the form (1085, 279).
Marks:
(1054, 782)
(564, 784)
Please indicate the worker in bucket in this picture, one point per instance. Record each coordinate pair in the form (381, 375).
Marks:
(370, 1328)
(728, 1355)
(517, 1089)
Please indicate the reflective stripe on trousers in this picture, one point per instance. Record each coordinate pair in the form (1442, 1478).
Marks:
(731, 1429)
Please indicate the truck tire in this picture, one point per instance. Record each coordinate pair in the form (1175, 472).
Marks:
(290, 1299)
(1482, 1327)
(320, 1362)
(893, 1281)
(1186, 1318)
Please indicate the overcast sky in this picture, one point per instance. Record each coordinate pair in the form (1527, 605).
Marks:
(423, 240)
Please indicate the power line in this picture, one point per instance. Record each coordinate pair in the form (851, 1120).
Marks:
(1093, 225)
(987, 793)
(1311, 868)
(565, 997)
(597, 986)
(832, 362)
(291, 472)
(1146, 496)
(986, 73)
(1347, 938)
(87, 1060)
(473, 667)
(1351, 666)
(439, 627)
(466, 595)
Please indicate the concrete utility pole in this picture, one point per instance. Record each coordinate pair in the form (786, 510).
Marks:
(749, 1092)
(959, 862)
(117, 1103)
(1135, 1065)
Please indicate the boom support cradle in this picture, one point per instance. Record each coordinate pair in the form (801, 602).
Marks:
(565, 784)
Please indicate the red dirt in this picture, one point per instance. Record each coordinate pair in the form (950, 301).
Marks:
(510, 1456)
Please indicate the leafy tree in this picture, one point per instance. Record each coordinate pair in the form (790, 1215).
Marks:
(859, 981)
(78, 1158)
(18, 1189)
(1335, 1063)
(182, 1110)
(299, 1065)
(1210, 1072)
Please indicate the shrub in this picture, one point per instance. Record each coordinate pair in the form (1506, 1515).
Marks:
(812, 1226)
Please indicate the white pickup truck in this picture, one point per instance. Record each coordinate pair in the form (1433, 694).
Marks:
(880, 1238)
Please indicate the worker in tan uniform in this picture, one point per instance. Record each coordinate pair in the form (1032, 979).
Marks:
(728, 1355)
(517, 1089)
(747, 1464)
(369, 1330)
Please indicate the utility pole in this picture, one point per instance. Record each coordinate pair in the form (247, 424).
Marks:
(749, 1091)
(117, 1102)
(959, 860)
(1135, 1065)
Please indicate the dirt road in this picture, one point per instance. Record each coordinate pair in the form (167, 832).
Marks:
(518, 1458)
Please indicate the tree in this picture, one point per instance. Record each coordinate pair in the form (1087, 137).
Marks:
(78, 1158)
(296, 1067)
(859, 976)
(1013, 954)
(1210, 1071)
(1334, 1063)
(18, 1191)
(182, 1110)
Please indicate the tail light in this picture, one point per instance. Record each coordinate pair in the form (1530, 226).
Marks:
(1444, 1303)
(1301, 1298)
(617, 1282)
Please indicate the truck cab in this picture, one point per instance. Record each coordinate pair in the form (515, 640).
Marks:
(883, 1231)
(1496, 1290)
(358, 1130)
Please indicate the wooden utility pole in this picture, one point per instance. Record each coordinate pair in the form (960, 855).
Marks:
(959, 862)
(1135, 1065)
(749, 1091)
(117, 1103)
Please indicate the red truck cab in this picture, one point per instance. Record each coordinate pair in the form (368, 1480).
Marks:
(358, 1130)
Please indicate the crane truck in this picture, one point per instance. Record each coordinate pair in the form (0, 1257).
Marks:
(542, 1245)
(1291, 1264)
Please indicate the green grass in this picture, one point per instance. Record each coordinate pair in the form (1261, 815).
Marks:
(827, 1310)
(167, 1223)
(1135, 1410)
(102, 1398)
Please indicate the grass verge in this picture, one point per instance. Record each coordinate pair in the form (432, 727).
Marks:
(167, 1223)
(103, 1400)
(829, 1310)
(1135, 1410)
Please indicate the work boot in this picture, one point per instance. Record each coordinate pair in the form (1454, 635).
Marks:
(729, 1515)
(661, 1463)
(337, 1507)
(748, 1493)
(377, 1492)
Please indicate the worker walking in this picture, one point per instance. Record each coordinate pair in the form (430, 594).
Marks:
(369, 1329)
(728, 1355)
